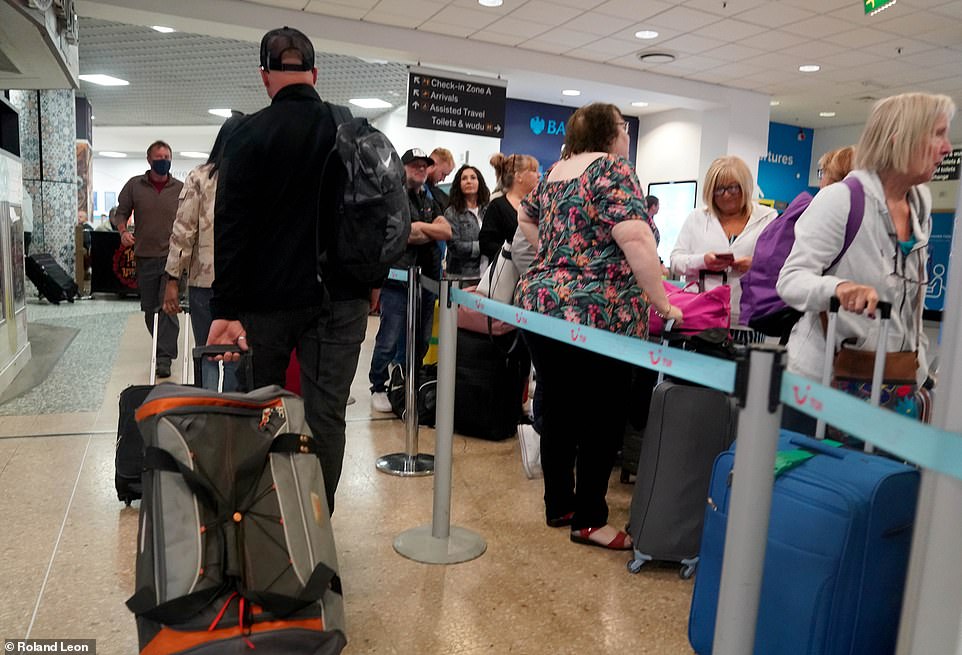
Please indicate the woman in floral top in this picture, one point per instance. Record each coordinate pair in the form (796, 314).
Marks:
(596, 266)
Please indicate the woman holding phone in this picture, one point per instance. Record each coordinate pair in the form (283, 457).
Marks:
(720, 237)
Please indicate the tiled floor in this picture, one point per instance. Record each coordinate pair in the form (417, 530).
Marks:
(67, 545)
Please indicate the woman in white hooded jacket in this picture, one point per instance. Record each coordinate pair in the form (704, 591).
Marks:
(903, 142)
(721, 236)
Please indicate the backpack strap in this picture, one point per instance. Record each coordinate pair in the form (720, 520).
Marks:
(856, 212)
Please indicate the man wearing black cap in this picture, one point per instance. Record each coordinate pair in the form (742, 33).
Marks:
(266, 293)
(428, 227)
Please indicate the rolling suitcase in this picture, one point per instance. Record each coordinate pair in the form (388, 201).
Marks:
(687, 428)
(129, 455)
(490, 377)
(839, 535)
(235, 549)
(51, 280)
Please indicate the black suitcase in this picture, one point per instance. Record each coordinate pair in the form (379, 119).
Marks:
(688, 426)
(51, 280)
(489, 384)
(643, 381)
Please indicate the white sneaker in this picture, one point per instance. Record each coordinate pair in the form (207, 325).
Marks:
(530, 442)
(380, 402)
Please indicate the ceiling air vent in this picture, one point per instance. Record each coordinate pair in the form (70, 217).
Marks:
(866, 99)
(656, 57)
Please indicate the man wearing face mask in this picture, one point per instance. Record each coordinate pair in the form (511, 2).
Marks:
(152, 198)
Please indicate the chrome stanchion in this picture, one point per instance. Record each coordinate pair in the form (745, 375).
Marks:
(410, 462)
(751, 499)
(440, 542)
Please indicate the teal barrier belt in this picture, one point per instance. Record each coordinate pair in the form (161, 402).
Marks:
(904, 437)
(402, 276)
(398, 274)
(709, 371)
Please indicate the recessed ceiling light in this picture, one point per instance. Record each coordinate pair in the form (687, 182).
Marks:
(656, 57)
(571, 92)
(809, 68)
(827, 114)
(370, 103)
(490, 3)
(162, 29)
(103, 80)
(192, 154)
(639, 104)
(112, 154)
(224, 113)
(646, 34)
(774, 103)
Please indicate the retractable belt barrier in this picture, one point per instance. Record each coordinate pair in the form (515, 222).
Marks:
(916, 442)
(399, 275)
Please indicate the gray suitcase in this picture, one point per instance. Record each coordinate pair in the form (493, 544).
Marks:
(688, 426)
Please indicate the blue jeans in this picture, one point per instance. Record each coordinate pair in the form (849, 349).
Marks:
(389, 345)
(151, 280)
(328, 341)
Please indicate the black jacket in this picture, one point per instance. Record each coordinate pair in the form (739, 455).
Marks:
(497, 226)
(426, 255)
(266, 211)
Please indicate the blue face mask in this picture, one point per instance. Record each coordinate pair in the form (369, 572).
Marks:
(160, 166)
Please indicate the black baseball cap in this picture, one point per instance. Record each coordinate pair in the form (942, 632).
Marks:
(416, 153)
(284, 39)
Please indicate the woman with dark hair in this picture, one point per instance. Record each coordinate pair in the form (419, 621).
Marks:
(596, 266)
(518, 175)
(468, 199)
(192, 240)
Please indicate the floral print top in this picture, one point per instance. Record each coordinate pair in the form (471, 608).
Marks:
(580, 273)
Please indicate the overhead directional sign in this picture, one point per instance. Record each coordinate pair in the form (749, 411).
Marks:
(949, 168)
(468, 105)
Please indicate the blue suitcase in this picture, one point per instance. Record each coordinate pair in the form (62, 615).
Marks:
(836, 558)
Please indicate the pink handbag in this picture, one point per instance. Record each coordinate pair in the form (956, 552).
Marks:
(701, 309)
(475, 321)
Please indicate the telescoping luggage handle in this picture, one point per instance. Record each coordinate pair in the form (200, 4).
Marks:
(201, 352)
(878, 369)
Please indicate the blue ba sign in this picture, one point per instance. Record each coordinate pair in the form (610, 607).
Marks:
(538, 129)
(783, 171)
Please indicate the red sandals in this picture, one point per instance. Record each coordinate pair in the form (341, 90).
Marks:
(621, 541)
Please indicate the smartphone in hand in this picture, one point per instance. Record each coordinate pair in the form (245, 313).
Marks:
(725, 257)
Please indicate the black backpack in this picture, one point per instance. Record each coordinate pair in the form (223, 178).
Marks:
(372, 222)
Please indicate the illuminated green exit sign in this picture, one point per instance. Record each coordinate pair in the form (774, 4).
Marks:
(873, 7)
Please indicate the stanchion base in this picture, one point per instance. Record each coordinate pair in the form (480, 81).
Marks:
(406, 465)
(461, 545)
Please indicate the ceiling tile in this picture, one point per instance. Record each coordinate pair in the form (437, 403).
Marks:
(950, 35)
(590, 55)
(361, 4)
(735, 52)
(731, 30)
(900, 47)
(664, 34)
(819, 6)
(395, 20)
(285, 4)
(638, 9)
(544, 46)
(779, 61)
(416, 9)
(853, 13)
(937, 56)
(813, 52)
(723, 7)
(613, 47)
(899, 21)
(540, 11)
(682, 19)
(739, 69)
(853, 57)
(818, 26)
(571, 38)
(857, 38)
(334, 9)
(693, 63)
(498, 37)
(772, 41)
(447, 29)
(775, 14)
(517, 27)
(602, 24)
(952, 9)
(465, 17)
(689, 43)
(583, 5)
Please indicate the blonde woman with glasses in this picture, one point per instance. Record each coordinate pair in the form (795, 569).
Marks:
(903, 142)
(721, 236)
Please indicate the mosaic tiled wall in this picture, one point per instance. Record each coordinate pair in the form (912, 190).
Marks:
(48, 151)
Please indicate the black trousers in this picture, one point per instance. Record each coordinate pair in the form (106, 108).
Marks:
(583, 413)
(328, 339)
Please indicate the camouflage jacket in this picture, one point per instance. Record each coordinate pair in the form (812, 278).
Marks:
(192, 239)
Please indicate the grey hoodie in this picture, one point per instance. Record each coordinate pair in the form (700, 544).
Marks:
(871, 259)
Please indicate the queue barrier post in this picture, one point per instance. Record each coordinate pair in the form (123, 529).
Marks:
(410, 463)
(751, 499)
(440, 542)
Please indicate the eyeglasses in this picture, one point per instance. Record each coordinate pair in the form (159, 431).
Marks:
(623, 125)
(732, 189)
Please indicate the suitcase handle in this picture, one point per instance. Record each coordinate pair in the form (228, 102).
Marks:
(884, 307)
(818, 447)
(201, 352)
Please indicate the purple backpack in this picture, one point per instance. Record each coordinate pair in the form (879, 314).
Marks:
(761, 306)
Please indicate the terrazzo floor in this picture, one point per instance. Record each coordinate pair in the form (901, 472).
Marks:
(67, 545)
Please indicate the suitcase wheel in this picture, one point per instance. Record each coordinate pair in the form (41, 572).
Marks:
(634, 565)
(687, 569)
